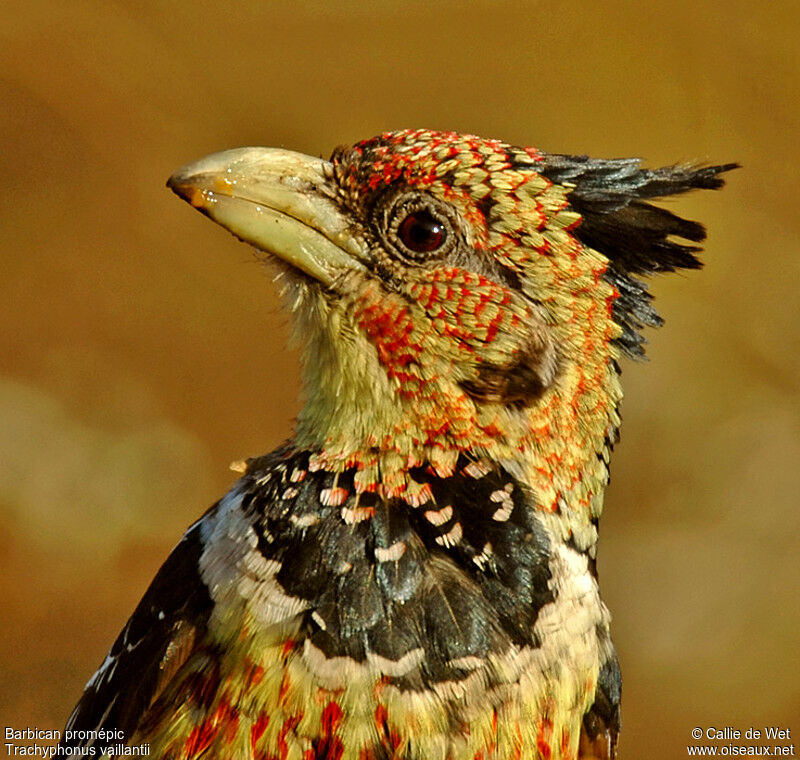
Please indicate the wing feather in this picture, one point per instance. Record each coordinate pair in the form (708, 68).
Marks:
(163, 632)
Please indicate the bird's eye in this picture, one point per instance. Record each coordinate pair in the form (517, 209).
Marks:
(419, 227)
(422, 232)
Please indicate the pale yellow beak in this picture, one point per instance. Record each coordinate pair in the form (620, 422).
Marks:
(275, 200)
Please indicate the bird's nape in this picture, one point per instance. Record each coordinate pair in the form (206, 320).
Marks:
(618, 220)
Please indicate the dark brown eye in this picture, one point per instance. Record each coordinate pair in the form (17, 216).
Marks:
(418, 228)
(421, 232)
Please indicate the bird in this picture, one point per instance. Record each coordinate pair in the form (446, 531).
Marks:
(412, 574)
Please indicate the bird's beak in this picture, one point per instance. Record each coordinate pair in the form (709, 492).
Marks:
(275, 200)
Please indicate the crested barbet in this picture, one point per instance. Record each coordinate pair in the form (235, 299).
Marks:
(412, 574)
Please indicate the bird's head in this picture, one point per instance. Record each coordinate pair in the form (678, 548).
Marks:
(455, 294)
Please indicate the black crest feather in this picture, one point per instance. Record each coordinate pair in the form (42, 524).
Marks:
(637, 237)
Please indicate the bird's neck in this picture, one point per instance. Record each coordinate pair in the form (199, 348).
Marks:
(558, 448)
(384, 398)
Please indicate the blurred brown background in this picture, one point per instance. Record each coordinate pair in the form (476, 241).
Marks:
(143, 350)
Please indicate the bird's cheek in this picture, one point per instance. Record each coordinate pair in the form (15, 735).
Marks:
(515, 370)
